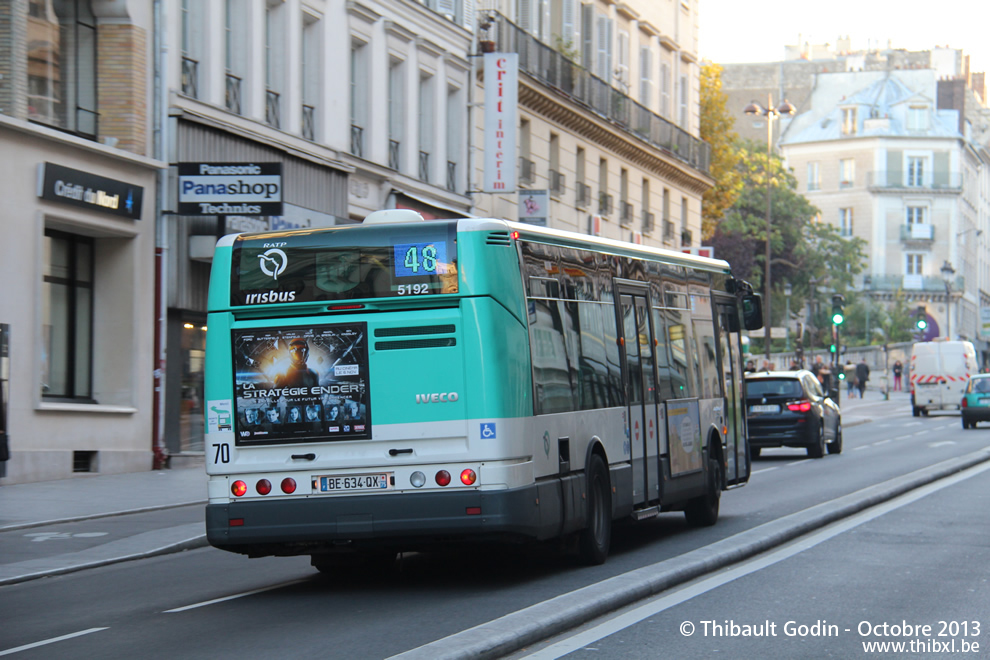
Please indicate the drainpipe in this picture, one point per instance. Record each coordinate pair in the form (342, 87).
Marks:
(160, 119)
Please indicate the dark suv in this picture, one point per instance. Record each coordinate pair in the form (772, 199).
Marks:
(789, 409)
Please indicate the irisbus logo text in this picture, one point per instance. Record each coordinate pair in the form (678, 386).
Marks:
(270, 297)
(439, 397)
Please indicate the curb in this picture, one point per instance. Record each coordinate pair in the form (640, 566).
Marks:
(94, 516)
(514, 631)
(180, 546)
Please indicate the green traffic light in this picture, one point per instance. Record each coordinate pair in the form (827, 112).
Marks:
(842, 375)
(837, 318)
(832, 348)
(922, 324)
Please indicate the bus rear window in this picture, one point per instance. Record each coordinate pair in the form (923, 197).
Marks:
(344, 263)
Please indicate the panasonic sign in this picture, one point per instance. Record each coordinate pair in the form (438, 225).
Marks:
(230, 189)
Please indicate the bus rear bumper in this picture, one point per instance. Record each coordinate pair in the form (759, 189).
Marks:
(400, 521)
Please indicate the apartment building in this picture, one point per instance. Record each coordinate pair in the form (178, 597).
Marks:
(79, 184)
(363, 104)
(884, 161)
(607, 121)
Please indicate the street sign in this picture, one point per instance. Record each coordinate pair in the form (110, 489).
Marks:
(778, 333)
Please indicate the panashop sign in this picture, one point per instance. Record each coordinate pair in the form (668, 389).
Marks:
(501, 101)
(89, 191)
(230, 188)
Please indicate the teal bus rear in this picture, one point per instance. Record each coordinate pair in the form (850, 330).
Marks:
(404, 385)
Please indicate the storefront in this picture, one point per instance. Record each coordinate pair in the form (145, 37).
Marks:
(78, 305)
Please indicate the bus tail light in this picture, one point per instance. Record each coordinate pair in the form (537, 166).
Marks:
(468, 477)
(443, 478)
(288, 485)
(263, 487)
(799, 406)
(238, 488)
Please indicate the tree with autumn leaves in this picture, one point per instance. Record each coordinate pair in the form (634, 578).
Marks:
(805, 252)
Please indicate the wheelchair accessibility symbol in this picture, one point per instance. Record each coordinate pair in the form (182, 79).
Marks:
(488, 431)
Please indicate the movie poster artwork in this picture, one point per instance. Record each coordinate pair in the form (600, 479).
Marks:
(302, 383)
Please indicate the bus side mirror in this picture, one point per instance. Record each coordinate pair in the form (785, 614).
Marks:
(752, 312)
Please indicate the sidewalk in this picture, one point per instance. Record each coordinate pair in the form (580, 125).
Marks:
(170, 501)
(872, 406)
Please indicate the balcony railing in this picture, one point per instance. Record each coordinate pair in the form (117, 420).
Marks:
(309, 122)
(357, 141)
(685, 238)
(582, 195)
(648, 221)
(917, 232)
(424, 166)
(272, 109)
(932, 283)
(527, 171)
(551, 68)
(393, 154)
(232, 94)
(190, 77)
(604, 204)
(668, 230)
(451, 176)
(625, 212)
(557, 183)
(899, 180)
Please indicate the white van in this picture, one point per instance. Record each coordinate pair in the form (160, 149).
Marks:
(939, 371)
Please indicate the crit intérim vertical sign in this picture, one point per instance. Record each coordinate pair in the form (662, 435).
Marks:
(501, 100)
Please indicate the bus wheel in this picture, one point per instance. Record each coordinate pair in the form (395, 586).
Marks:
(595, 538)
(703, 511)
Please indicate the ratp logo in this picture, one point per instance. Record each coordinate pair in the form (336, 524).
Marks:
(273, 263)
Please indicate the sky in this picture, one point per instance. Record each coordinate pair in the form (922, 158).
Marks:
(735, 31)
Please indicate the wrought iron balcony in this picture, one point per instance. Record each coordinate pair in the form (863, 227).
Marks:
(582, 195)
(232, 94)
(309, 122)
(900, 180)
(190, 77)
(604, 204)
(625, 212)
(551, 68)
(273, 109)
(527, 171)
(451, 176)
(424, 166)
(648, 221)
(918, 232)
(394, 154)
(557, 183)
(357, 141)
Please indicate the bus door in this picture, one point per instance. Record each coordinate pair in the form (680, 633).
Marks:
(638, 344)
(737, 449)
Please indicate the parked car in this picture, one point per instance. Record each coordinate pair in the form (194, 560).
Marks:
(975, 404)
(790, 409)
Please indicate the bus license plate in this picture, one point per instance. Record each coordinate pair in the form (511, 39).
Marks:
(352, 482)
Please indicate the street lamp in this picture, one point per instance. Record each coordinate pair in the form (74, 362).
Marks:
(947, 272)
(770, 113)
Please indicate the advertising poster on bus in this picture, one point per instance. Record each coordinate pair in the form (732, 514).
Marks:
(301, 383)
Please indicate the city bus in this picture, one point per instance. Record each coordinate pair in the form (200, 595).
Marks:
(402, 385)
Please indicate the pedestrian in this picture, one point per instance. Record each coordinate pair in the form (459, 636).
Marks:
(862, 375)
(817, 368)
(750, 367)
(767, 365)
(898, 372)
(849, 371)
(795, 364)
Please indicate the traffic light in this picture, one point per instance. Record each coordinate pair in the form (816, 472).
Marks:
(842, 375)
(922, 321)
(831, 348)
(837, 316)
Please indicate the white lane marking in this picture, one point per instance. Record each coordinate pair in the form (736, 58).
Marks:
(941, 443)
(631, 618)
(240, 595)
(801, 462)
(881, 442)
(913, 424)
(769, 469)
(920, 433)
(51, 641)
(861, 447)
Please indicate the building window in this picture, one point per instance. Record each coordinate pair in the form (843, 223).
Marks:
(396, 113)
(916, 171)
(359, 96)
(622, 70)
(916, 215)
(426, 119)
(603, 38)
(814, 177)
(664, 89)
(645, 76)
(845, 222)
(917, 118)
(847, 172)
(849, 121)
(62, 66)
(682, 119)
(67, 316)
(455, 121)
(914, 264)
(310, 73)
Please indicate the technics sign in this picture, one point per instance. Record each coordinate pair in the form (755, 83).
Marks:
(89, 191)
(230, 188)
